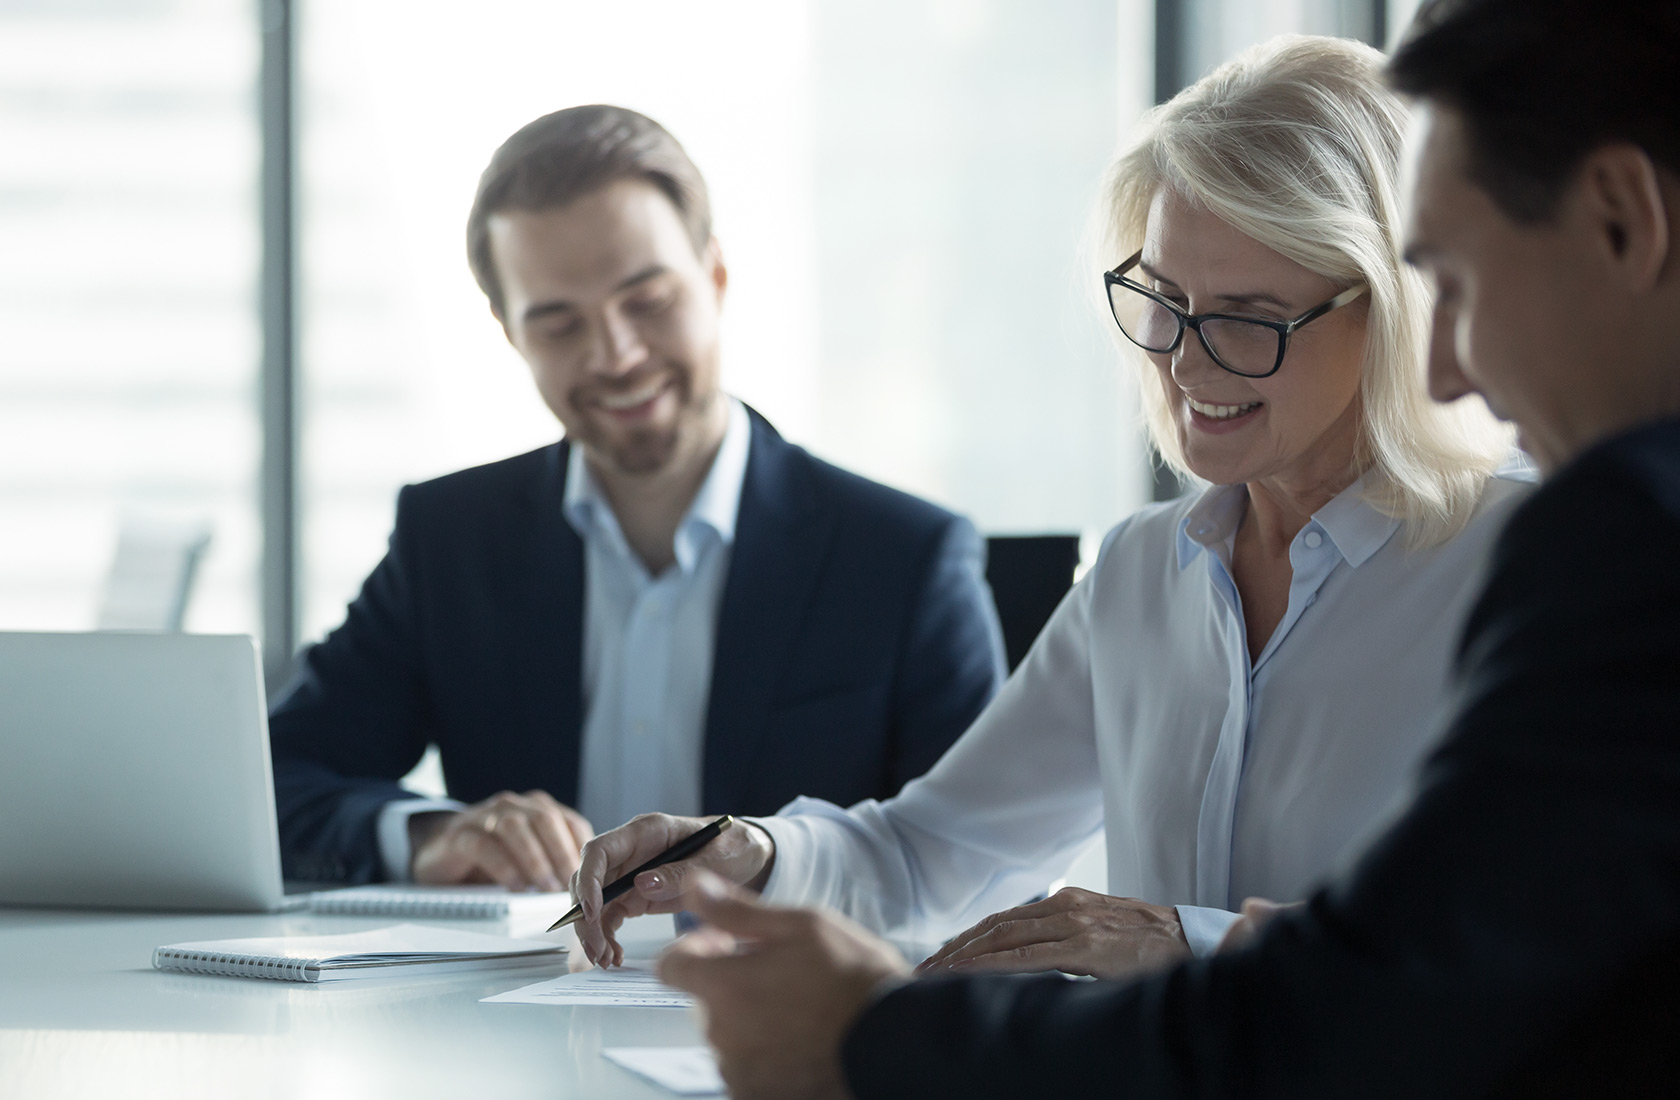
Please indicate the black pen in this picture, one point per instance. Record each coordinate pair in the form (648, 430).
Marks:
(682, 849)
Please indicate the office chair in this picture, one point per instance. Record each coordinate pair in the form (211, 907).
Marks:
(1029, 575)
(152, 575)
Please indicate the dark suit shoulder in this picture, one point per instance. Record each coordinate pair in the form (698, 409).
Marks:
(1619, 486)
(491, 485)
(1575, 626)
(1648, 455)
(856, 499)
(1596, 525)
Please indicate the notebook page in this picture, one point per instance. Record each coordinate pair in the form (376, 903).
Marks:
(630, 986)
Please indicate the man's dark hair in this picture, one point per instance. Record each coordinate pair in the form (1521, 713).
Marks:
(1542, 83)
(568, 154)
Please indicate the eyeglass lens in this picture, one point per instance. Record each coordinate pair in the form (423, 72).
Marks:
(1238, 346)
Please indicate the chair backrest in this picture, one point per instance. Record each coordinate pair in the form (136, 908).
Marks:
(1029, 575)
(152, 575)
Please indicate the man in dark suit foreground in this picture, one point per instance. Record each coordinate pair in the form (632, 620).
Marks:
(1517, 930)
(673, 605)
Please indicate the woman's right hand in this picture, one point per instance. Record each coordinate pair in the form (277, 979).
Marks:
(743, 855)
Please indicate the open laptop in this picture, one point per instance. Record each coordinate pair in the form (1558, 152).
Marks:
(134, 772)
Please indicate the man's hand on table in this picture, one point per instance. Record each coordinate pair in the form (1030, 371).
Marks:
(742, 855)
(520, 841)
(780, 988)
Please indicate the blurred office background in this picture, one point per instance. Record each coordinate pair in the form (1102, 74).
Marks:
(233, 294)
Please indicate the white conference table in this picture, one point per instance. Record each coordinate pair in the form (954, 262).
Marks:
(83, 1014)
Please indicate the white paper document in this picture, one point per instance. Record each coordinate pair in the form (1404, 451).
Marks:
(632, 986)
(686, 1071)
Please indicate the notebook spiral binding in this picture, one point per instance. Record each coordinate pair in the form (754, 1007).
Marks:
(277, 968)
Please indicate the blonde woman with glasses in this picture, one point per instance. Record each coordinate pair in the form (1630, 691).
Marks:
(1240, 688)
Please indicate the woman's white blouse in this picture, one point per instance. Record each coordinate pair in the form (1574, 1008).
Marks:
(1138, 712)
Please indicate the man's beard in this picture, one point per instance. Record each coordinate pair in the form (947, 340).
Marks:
(646, 451)
(650, 448)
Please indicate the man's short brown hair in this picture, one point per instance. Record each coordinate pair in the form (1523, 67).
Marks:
(1542, 83)
(568, 154)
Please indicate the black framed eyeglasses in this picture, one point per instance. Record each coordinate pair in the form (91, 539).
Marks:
(1249, 346)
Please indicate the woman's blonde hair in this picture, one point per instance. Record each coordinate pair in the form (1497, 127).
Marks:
(1296, 143)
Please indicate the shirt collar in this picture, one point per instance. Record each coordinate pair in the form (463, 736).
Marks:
(1357, 529)
(714, 508)
(1354, 527)
(719, 500)
(1211, 521)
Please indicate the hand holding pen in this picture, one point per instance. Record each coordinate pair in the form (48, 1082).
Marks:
(640, 853)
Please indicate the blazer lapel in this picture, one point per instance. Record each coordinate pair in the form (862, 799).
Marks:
(781, 538)
(546, 645)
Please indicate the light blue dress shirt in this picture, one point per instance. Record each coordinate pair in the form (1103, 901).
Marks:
(647, 653)
(648, 643)
(1139, 714)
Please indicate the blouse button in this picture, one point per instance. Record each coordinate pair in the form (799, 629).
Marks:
(1313, 540)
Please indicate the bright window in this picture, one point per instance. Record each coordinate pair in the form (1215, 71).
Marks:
(128, 216)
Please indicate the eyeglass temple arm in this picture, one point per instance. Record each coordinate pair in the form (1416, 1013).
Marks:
(1337, 302)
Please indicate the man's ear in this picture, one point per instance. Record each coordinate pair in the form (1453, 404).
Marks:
(719, 272)
(1624, 197)
(502, 322)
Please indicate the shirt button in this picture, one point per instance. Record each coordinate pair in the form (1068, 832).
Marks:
(639, 729)
(1313, 540)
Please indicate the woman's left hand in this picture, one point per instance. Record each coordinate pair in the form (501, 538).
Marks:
(1075, 931)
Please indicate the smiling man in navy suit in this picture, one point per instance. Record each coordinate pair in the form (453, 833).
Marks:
(671, 609)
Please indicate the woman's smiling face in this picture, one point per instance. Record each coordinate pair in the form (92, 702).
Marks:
(1299, 425)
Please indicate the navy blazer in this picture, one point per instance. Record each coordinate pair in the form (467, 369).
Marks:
(856, 639)
(1515, 933)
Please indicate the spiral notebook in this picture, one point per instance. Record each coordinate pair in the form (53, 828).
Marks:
(438, 902)
(405, 949)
